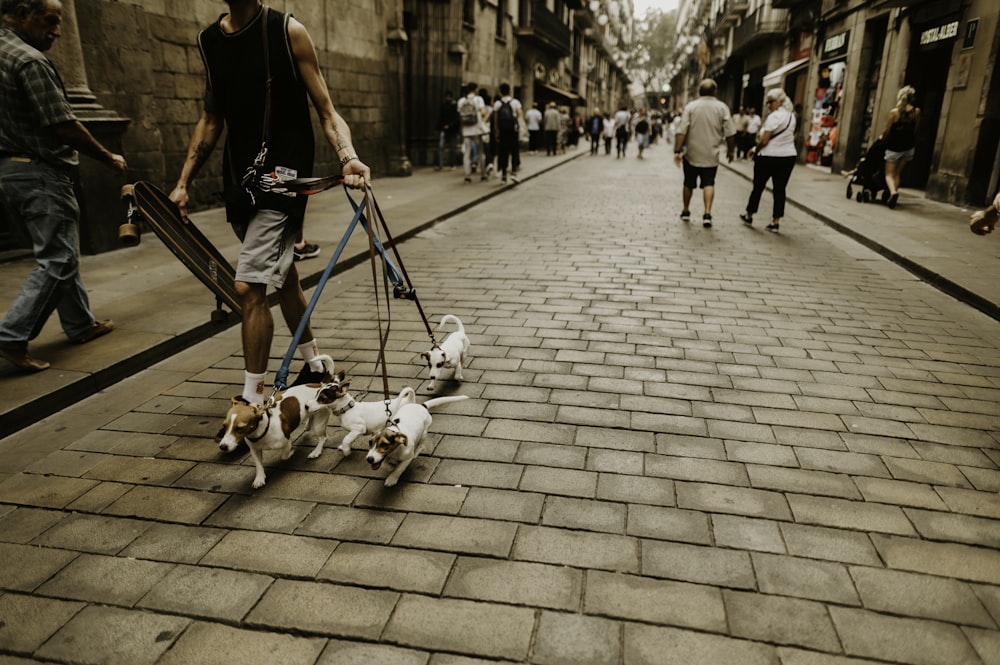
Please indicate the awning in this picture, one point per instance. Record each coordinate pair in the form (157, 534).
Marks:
(774, 78)
(562, 94)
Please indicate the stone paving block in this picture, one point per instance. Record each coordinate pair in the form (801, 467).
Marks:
(176, 543)
(668, 424)
(568, 482)
(689, 526)
(517, 430)
(654, 601)
(857, 464)
(217, 644)
(984, 480)
(986, 643)
(716, 411)
(655, 645)
(66, 463)
(878, 427)
(26, 622)
(917, 641)
(608, 417)
(415, 497)
(816, 542)
(856, 515)
(970, 502)
(880, 445)
(456, 534)
(254, 512)
(335, 488)
(503, 505)
(326, 609)
(701, 565)
(114, 636)
(352, 524)
(105, 579)
(167, 504)
(690, 446)
(761, 453)
(584, 514)
(656, 404)
(934, 525)
(526, 410)
(516, 583)
(461, 626)
(615, 461)
(580, 549)
(395, 568)
(804, 578)
(27, 489)
(273, 553)
(950, 435)
(575, 639)
(474, 474)
(206, 592)
(918, 595)
(635, 489)
(93, 533)
(697, 470)
(809, 438)
(124, 443)
(779, 620)
(747, 533)
(476, 448)
(27, 566)
(551, 455)
(936, 452)
(22, 525)
(139, 470)
(963, 562)
(732, 500)
(342, 652)
(793, 656)
(208, 477)
(899, 492)
(99, 498)
(922, 471)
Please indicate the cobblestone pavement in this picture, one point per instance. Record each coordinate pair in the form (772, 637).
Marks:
(684, 445)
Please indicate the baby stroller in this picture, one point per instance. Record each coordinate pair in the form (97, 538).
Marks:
(869, 174)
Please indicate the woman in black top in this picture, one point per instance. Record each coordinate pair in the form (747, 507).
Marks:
(901, 136)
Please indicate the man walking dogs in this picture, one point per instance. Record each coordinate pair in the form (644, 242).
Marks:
(705, 123)
(262, 69)
(39, 139)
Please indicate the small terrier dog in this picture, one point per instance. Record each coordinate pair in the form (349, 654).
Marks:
(449, 354)
(359, 418)
(399, 442)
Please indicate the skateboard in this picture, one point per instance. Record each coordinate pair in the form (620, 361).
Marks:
(184, 240)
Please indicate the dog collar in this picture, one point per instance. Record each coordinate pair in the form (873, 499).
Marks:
(267, 426)
(340, 412)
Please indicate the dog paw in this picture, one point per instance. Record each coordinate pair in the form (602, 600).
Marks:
(314, 454)
(258, 482)
(391, 482)
(345, 450)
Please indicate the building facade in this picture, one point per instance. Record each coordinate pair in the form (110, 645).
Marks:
(845, 60)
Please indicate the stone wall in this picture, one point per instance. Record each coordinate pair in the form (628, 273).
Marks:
(142, 61)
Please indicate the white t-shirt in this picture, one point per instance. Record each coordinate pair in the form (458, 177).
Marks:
(781, 124)
(753, 124)
(515, 106)
(534, 119)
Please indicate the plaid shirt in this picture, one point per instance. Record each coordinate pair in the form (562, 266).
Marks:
(32, 99)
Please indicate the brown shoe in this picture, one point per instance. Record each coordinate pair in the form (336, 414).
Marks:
(99, 328)
(23, 361)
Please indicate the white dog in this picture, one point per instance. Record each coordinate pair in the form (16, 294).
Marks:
(400, 441)
(358, 417)
(449, 354)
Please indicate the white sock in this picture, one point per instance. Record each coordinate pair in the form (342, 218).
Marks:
(253, 387)
(310, 353)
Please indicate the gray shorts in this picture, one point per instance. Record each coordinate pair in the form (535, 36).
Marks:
(268, 248)
(894, 156)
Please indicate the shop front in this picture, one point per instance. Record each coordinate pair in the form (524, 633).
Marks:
(823, 115)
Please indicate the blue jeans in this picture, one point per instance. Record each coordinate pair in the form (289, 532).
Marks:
(447, 144)
(40, 198)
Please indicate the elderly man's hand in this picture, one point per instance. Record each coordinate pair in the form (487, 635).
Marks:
(356, 174)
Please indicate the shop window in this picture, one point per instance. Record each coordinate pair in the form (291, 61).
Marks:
(822, 137)
(469, 11)
(501, 17)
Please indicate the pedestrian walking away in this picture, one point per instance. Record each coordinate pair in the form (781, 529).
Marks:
(487, 134)
(901, 139)
(551, 122)
(533, 118)
(508, 116)
(609, 132)
(623, 120)
(595, 127)
(740, 121)
(642, 133)
(774, 157)
(752, 128)
(472, 115)
(262, 71)
(448, 126)
(704, 125)
(39, 139)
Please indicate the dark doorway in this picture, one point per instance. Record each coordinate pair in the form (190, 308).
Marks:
(927, 72)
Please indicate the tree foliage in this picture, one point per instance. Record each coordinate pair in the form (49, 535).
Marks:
(652, 49)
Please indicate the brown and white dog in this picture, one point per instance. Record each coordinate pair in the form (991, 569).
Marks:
(270, 427)
(399, 442)
(359, 418)
(449, 354)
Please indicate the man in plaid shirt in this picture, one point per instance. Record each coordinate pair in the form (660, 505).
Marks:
(39, 139)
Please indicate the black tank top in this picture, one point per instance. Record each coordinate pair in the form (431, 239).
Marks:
(903, 133)
(236, 91)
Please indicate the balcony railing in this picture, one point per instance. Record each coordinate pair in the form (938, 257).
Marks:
(731, 12)
(765, 23)
(545, 29)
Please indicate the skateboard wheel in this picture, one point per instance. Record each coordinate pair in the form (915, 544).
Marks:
(127, 190)
(220, 316)
(128, 234)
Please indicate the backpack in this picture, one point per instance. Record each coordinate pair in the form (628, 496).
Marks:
(467, 113)
(506, 121)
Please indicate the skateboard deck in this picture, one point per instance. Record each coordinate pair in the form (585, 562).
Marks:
(186, 242)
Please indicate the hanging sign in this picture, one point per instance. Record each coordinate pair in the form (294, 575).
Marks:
(836, 45)
(941, 32)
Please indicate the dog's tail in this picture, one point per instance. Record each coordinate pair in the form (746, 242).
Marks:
(444, 400)
(451, 318)
(407, 396)
(327, 367)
